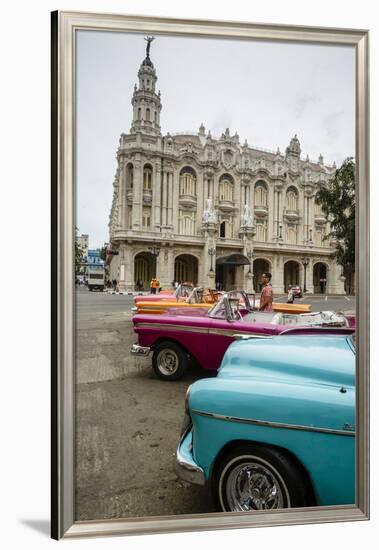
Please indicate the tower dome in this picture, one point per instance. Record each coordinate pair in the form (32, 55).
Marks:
(294, 147)
(146, 102)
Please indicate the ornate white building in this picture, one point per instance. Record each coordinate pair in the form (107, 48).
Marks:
(216, 210)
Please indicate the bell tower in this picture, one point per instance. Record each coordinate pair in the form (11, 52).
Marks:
(293, 152)
(146, 102)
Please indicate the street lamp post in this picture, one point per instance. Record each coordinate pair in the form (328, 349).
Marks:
(155, 252)
(305, 262)
(211, 252)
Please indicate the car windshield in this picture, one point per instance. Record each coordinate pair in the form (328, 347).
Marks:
(230, 306)
(196, 296)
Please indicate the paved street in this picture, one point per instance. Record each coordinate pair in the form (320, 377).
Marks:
(128, 422)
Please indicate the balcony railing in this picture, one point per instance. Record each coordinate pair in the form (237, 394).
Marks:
(292, 215)
(147, 196)
(187, 201)
(226, 205)
(261, 211)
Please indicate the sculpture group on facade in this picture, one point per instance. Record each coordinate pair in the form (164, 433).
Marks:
(209, 214)
(246, 218)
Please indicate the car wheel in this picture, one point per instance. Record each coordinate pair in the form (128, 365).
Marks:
(255, 477)
(170, 361)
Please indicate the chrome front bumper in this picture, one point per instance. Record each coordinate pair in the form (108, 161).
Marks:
(185, 466)
(136, 349)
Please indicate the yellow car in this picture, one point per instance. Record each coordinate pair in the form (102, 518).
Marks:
(198, 300)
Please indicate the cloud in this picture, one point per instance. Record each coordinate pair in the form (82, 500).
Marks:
(303, 101)
(332, 124)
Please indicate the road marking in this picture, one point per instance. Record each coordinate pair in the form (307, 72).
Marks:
(326, 298)
(346, 298)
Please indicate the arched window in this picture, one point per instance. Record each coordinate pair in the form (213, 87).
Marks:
(291, 235)
(260, 194)
(129, 176)
(187, 222)
(147, 177)
(155, 117)
(261, 231)
(225, 188)
(139, 113)
(148, 114)
(292, 198)
(187, 182)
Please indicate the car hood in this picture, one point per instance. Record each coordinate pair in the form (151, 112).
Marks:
(311, 359)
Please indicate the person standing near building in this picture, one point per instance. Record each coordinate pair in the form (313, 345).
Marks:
(154, 285)
(290, 295)
(267, 294)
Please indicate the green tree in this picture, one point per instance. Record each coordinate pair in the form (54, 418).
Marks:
(78, 253)
(337, 200)
(103, 254)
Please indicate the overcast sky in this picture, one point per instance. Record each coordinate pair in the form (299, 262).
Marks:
(265, 91)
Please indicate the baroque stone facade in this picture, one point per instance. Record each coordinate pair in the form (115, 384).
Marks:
(218, 211)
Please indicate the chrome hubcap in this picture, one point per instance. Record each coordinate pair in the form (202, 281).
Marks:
(252, 486)
(167, 361)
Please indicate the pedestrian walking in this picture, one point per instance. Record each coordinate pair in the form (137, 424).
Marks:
(267, 294)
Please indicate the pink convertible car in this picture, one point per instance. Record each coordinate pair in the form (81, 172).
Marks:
(175, 339)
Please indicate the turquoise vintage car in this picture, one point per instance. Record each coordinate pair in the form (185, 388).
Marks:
(276, 427)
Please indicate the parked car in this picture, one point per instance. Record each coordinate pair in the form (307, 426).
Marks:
(192, 298)
(276, 427)
(167, 294)
(176, 338)
(201, 300)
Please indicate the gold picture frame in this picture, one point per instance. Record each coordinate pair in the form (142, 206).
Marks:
(64, 27)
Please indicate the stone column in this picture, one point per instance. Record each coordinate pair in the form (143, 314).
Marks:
(165, 266)
(161, 267)
(124, 216)
(275, 216)
(170, 185)
(137, 191)
(277, 280)
(119, 198)
(175, 221)
(310, 287)
(312, 216)
(271, 213)
(122, 193)
(301, 230)
(237, 201)
(126, 268)
(164, 198)
(157, 196)
(281, 222)
(335, 281)
(251, 201)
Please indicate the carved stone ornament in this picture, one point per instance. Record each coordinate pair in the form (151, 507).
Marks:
(246, 218)
(228, 158)
(209, 214)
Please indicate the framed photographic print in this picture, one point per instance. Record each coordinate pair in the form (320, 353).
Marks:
(210, 275)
